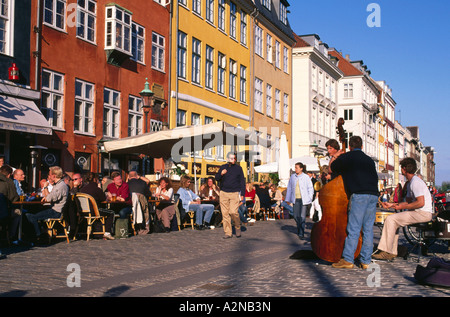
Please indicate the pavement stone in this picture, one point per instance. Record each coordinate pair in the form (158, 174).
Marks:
(198, 264)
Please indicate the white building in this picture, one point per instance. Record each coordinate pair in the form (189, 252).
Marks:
(315, 79)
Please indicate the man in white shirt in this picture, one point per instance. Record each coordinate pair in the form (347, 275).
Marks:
(417, 205)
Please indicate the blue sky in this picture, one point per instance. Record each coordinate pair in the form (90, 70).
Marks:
(410, 51)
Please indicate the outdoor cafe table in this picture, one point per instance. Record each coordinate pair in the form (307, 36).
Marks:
(25, 203)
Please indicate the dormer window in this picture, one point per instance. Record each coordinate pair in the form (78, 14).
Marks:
(283, 13)
(267, 4)
(118, 34)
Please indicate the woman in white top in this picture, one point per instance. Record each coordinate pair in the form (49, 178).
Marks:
(166, 209)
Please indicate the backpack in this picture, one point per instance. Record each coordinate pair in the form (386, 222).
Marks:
(121, 228)
(436, 273)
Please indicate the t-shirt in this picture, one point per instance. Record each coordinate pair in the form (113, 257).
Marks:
(416, 188)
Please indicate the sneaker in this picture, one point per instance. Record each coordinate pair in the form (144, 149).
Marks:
(382, 255)
(342, 264)
(108, 236)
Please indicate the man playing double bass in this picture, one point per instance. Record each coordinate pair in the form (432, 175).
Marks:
(360, 178)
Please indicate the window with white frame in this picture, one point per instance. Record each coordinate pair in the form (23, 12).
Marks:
(221, 15)
(196, 60)
(183, 2)
(267, 4)
(52, 97)
(196, 6)
(233, 12)
(277, 54)
(118, 29)
(208, 152)
(269, 150)
(283, 13)
(259, 41)
(243, 84)
(195, 119)
(181, 118)
(269, 51)
(269, 100)
(314, 78)
(158, 51)
(135, 117)
(286, 60)
(233, 79)
(277, 104)
(243, 28)
(209, 13)
(258, 94)
(138, 42)
(111, 113)
(155, 125)
(221, 69)
(55, 14)
(286, 108)
(348, 114)
(181, 54)
(84, 107)
(314, 119)
(209, 67)
(6, 28)
(348, 90)
(86, 20)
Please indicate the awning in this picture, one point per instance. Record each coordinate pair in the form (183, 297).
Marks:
(22, 115)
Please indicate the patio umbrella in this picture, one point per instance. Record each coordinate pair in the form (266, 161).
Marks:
(309, 161)
(283, 162)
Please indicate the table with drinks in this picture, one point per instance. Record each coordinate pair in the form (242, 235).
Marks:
(33, 200)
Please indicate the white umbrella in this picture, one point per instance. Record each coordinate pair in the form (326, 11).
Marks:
(309, 161)
(283, 162)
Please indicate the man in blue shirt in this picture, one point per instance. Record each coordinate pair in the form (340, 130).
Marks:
(232, 192)
(300, 192)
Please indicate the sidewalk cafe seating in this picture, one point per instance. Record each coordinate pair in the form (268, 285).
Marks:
(183, 217)
(53, 231)
(89, 212)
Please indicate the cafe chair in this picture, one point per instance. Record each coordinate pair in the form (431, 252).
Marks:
(183, 217)
(52, 230)
(89, 212)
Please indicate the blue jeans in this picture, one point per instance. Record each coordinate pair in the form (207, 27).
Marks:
(125, 212)
(42, 215)
(243, 213)
(288, 207)
(199, 210)
(300, 216)
(361, 214)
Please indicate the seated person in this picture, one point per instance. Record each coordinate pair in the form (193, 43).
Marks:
(57, 198)
(418, 205)
(211, 192)
(287, 205)
(140, 185)
(276, 196)
(264, 197)
(121, 190)
(192, 202)
(165, 211)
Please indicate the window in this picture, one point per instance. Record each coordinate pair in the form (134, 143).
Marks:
(118, 29)
(84, 107)
(348, 90)
(210, 10)
(111, 113)
(55, 13)
(258, 94)
(208, 152)
(221, 15)
(86, 20)
(196, 6)
(277, 104)
(182, 48)
(6, 28)
(196, 60)
(314, 119)
(286, 60)
(183, 2)
(158, 51)
(258, 41)
(137, 42)
(314, 78)
(269, 100)
(286, 108)
(277, 54)
(134, 116)
(209, 67)
(269, 48)
(222, 64)
(243, 84)
(195, 119)
(232, 20)
(283, 13)
(243, 28)
(52, 97)
(348, 114)
(267, 4)
(181, 118)
(233, 77)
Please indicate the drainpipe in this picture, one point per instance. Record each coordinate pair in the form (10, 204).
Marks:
(37, 52)
(253, 15)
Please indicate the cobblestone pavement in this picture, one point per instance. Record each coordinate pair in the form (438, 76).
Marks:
(192, 263)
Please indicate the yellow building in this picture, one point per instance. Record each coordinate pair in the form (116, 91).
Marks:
(210, 70)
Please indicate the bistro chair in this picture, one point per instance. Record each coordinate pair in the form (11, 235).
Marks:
(52, 230)
(183, 217)
(89, 212)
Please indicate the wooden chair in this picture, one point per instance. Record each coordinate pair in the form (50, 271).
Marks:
(53, 231)
(182, 215)
(88, 211)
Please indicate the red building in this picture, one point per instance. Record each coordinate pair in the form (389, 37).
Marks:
(90, 60)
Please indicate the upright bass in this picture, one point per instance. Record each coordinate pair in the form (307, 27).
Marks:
(328, 235)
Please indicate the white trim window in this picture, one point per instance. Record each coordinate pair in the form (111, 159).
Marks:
(348, 90)
(283, 13)
(286, 108)
(233, 12)
(259, 41)
(269, 100)
(55, 14)
(181, 54)
(196, 6)
(221, 69)
(138, 43)
(258, 94)
(135, 117)
(52, 97)
(6, 27)
(221, 15)
(277, 104)
(233, 79)
(196, 60)
(209, 12)
(243, 28)
(111, 113)
(158, 51)
(286, 60)
(267, 4)
(87, 20)
(208, 152)
(269, 49)
(84, 107)
(243, 84)
(209, 67)
(181, 118)
(277, 54)
(118, 29)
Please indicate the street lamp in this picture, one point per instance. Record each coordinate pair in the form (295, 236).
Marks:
(147, 101)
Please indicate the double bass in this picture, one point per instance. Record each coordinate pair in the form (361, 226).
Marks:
(328, 235)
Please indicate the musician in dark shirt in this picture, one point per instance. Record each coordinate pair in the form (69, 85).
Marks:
(360, 178)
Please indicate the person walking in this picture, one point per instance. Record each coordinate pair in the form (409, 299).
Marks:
(232, 192)
(300, 192)
(360, 178)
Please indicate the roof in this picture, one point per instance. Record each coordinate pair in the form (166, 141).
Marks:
(346, 66)
(299, 41)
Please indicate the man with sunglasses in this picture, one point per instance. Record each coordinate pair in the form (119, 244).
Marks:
(232, 192)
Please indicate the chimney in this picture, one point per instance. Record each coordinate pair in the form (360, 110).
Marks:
(347, 57)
